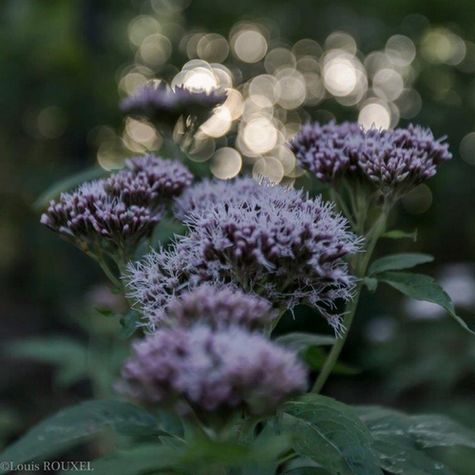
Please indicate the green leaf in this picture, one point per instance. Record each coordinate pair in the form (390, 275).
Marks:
(397, 457)
(371, 283)
(130, 322)
(399, 234)
(315, 359)
(138, 460)
(68, 183)
(401, 438)
(422, 287)
(398, 262)
(300, 341)
(68, 355)
(331, 434)
(75, 424)
(425, 431)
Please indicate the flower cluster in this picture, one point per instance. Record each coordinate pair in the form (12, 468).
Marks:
(120, 210)
(275, 242)
(198, 197)
(220, 307)
(164, 105)
(394, 160)
(212, 370)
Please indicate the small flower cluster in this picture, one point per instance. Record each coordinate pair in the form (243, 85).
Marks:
(393, 160)
(211, 359)
(164, 105)
(274, 242)
(119, 210)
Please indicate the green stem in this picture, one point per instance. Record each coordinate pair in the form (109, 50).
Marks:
(361, 265)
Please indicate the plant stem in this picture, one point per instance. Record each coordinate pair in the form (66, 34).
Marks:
(361, 265)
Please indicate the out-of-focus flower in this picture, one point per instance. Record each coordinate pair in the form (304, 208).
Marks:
(212, 371)
(278, 244)
(164, 106)
(149, 180)
(220, 307)
(209, 192)
(393, 160)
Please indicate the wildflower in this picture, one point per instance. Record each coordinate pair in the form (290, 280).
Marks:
(225, 370)
(149, 180)
(278, 244)
(89, 215)
(164, 105)
(117, 212)
(220, 307)
(208, 192)
(328, 151)
(394, 161)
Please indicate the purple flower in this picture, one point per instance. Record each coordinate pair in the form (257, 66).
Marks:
(397, 160)
(89, 215)
(149, 180)
(164, 105)
(328, 151)
(393, 160)
(220, 307)
(225, 370)
(278, 244)
(209, 192)
(121, 209)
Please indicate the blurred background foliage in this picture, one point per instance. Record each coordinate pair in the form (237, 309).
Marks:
(65, 66)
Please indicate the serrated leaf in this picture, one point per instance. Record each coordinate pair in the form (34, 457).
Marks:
(68, 355)
(399, 234)
(299, 341)
(398, 262)
(422, 287)
(331, 434)
(75, 424)
(67, 184)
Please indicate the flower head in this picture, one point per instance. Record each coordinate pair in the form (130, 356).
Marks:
(397, 160)
(209, 192)
(328, 151)
(393, 160)
(149, 180)
(224, 370)
(164, 105)
(220, 307)
(90, 214)
(278, 244)
(120, 210)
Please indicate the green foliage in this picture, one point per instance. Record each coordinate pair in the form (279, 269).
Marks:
(330, 433)
(76, 424)
(69, 356)
(422, 287)
(398, 262)
(399, 234)
(400, 439)
(315, 358)
(299, 341)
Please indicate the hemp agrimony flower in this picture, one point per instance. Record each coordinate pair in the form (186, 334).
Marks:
(198, 197)
(220, 307)
(393, 160)
(228, 369)
(163, 105)
(277, 243)
(114, 214)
